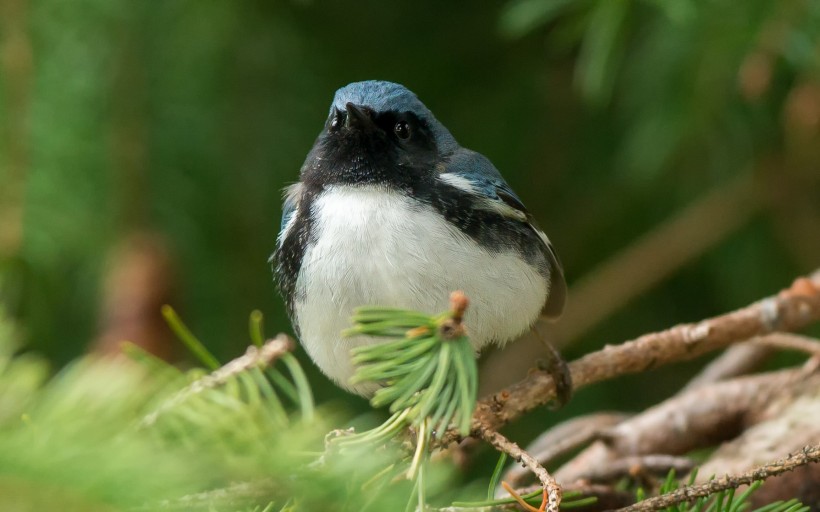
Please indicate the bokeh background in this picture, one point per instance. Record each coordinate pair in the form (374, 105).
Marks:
(669, 148)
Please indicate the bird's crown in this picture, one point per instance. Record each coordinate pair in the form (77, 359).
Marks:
(382, 96)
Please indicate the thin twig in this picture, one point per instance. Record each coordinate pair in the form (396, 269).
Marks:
(789, 341)
(744, 358)
(808, 455)
(254, 357)
(501, 443)
(791, 309)
(735, 361)
(563, 438)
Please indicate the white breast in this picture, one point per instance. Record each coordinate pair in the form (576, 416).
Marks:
(377, 247)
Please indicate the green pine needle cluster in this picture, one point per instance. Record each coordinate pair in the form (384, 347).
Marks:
(424, 374)
(427, 376)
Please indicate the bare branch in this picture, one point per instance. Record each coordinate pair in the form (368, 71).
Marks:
(736, 360)
(702, 416)
(808, 455)
(501, 443)
(694, 419)
(744, 358)
(790, 310)
(789, 423)
(789, 341)
(563, 438)
(253, 358)
(637, 268)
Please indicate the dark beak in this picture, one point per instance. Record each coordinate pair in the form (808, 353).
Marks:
(358, 117)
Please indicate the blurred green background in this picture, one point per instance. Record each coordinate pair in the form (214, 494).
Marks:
(669, 148)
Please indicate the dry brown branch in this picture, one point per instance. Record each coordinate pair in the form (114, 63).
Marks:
(744, 358)
(694, 419)
(736, 360)
(502, 444)
(802, 484)
(790, 424)
(808, 455)
(703, 416)
(563, 438)
(254, 357)
(637, 268)
(791, 309)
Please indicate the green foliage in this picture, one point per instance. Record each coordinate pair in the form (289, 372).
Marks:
(186, 120)
(122, 434)
(431, 377)
(425, 372)
(136, 433)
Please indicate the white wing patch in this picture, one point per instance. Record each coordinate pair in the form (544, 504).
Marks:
(482, 201)
(292, 194)
(457, 181)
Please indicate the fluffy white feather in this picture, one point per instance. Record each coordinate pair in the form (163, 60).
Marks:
(377, 247)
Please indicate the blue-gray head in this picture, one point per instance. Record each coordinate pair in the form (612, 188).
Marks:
(377, 132)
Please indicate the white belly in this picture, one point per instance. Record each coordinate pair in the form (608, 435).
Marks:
(377, 247)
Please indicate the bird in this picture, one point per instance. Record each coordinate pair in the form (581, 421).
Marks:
(391, 211)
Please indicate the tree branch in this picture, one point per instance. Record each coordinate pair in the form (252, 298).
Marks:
(791, 309)
(253, 357)
(687, 421)
(809, 455)
(735, 361)
(563, 438)
(503, 444)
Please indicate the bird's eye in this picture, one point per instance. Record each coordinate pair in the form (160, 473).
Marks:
(402, 130)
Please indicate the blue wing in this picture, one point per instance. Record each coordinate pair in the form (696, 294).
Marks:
(474, 174)
(484, 177)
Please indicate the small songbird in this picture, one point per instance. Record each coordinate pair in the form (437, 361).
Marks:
(391, 211)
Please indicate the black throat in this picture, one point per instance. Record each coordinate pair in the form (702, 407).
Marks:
(371, 154)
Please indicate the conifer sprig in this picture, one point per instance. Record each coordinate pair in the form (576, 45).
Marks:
(427, 371)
